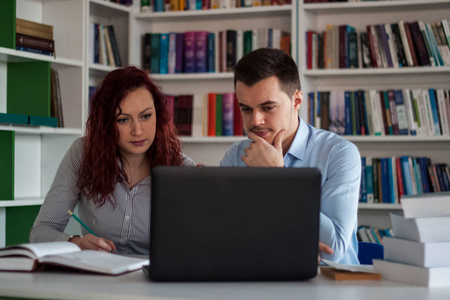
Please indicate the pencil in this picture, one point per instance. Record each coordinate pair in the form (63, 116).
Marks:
(81, 222)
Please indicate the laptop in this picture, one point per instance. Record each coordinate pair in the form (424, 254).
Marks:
(234, 224)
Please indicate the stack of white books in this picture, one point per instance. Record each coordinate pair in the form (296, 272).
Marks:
(419, 252)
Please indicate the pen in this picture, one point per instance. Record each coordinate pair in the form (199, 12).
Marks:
(81, 222)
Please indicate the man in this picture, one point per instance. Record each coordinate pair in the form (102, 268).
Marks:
(267, 87)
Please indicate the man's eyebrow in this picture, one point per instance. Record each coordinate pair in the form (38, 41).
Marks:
(268, 102)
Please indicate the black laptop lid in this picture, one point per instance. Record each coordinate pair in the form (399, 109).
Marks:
(234, 223)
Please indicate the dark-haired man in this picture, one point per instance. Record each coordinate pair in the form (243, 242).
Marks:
(268, 90)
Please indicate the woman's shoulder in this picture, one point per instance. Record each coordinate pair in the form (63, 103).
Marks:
(188, 162)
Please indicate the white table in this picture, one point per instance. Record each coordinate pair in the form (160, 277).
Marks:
(65, 285)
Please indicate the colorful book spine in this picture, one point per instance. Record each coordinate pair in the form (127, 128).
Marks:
(201, 58)
(179, 56)
(189, 52)
(164, 53)
(211, 114)
(211, 53)
(227, 114)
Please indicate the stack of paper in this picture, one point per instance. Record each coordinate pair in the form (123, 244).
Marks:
(418, 254)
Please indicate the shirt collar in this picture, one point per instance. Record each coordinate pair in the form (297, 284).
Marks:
(300, 142)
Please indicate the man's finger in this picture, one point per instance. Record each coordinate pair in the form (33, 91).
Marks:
(278, 140)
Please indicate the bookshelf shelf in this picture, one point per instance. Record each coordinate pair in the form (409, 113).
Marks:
(101, 7)
(216, 140)
(397, 139)
(192, 76)
(346, 7)
(11, 55)
(41, 130)
(377, 71)
(21, 202)
(379, 206)
(262, 10)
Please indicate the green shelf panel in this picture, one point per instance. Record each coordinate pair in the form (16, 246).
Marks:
(8, 24)
(19, 221)
(7, 142)
(28, 88)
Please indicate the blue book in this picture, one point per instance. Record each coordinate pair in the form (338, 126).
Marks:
(401, 112)
(357, 112)
(348, 113)
(154, 56)
(434, 112)
(406, 175)
(385, 182)
(28, 49)
(418, 176)
(369, 179)
(96, 43)
(311, 109)
(164, 53)
(227, 114)
(211, 52)
(391, 181)
(422, 161)
(363, 186)
(43, 121)
(445, 178)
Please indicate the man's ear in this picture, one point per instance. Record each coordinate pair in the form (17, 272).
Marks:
(297, 99)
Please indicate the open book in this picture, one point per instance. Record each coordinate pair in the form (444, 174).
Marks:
(29, 257)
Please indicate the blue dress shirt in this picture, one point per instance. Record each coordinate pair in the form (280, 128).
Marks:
(340, 163)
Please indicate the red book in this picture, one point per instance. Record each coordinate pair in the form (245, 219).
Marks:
(309, 47)
(212, 114)
(383, 113)
(401, 190)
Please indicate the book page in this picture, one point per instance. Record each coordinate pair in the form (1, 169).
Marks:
(351, 268)
(39, 249)
(96, 261)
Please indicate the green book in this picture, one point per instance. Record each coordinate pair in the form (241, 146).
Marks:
(28, 88)
(19, 221)
(248, 40)
(7, 142)
(8, 24)
(219, 115)
(154, 53)
(13, 119)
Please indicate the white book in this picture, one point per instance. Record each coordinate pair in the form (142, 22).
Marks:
(31, 257)
(276, 38)
(103, 57)
(425, 230)
(314, 50)
(91, 42)
(255, 41)
(443, 114)
(369, 112)
(431, 277)
(426, 205)
(423, 125)
(197, 115)
(433, 45)
(377, 117)
(239, 44)
(417, 253)
(413, 175)
(401, 27)
(409, 110)
(391, 43)
(428, 112)
(172, 52)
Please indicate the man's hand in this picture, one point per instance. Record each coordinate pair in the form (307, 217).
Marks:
(91, 242)
(262, 154)
(324, 248)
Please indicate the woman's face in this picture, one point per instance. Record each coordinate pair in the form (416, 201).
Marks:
(136, 123)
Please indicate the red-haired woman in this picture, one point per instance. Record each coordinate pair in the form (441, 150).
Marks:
(107, 172)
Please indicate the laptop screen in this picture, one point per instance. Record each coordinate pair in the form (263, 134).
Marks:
(234, 223)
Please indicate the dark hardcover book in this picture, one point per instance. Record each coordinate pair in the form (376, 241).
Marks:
(383, 113)
(363, 183)
(401, 56)
(212, 114)
(393, 111)
(343, 46)
(32, 50)
(424, 174)
(211, 52)
(35, 42)
(354, 111)
(385, 180)
(440, 180)
(365, 50)
(164, 53)
(381, 47)
(96, 43)
(114, 45)
(348, 113)
(359, 114)
(189, 52)
(189, 108)
(375, 164)
(227, 114)
(411, 44)
(248, 41)
(219, 115)
(154, 66)
(372, 48)
(325, 110)
(320, 51)
(146, 52)
(400, 183)
(385, 43)
(365, 124)
(352, 50)
(238, 126)
(422, 52)
(201, 58)
(445, 179)
(311, 108)
(60, 115)
(387, 109)
(231, 49)
(179, 56)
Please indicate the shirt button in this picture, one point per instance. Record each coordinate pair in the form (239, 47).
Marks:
(127, 218)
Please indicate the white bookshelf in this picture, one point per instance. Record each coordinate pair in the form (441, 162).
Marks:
(315, 16)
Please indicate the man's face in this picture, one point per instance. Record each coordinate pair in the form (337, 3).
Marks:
(266, 109)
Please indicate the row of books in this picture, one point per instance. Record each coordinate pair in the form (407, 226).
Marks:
(103, 46)
(372, 235)
(180, 5)
(34, 37)
(196, 52)
(55, 98)
(395, 45)
(387, 179)
(206, 115)
(123, 2)
(19, 119)
(424, 112)
(328, 1)
(418, 252)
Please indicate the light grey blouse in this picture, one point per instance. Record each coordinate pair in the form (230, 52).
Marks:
(127, 225)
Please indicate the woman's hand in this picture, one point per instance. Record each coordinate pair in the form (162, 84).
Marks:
(324, 248)
(91, 242)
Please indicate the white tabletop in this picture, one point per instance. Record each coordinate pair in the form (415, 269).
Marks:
(66, 285)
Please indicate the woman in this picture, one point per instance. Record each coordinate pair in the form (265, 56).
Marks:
(107, 173)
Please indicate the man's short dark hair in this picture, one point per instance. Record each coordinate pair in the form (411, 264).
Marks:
(267, 62)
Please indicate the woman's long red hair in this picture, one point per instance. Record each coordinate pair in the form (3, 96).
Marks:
(100, 170)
